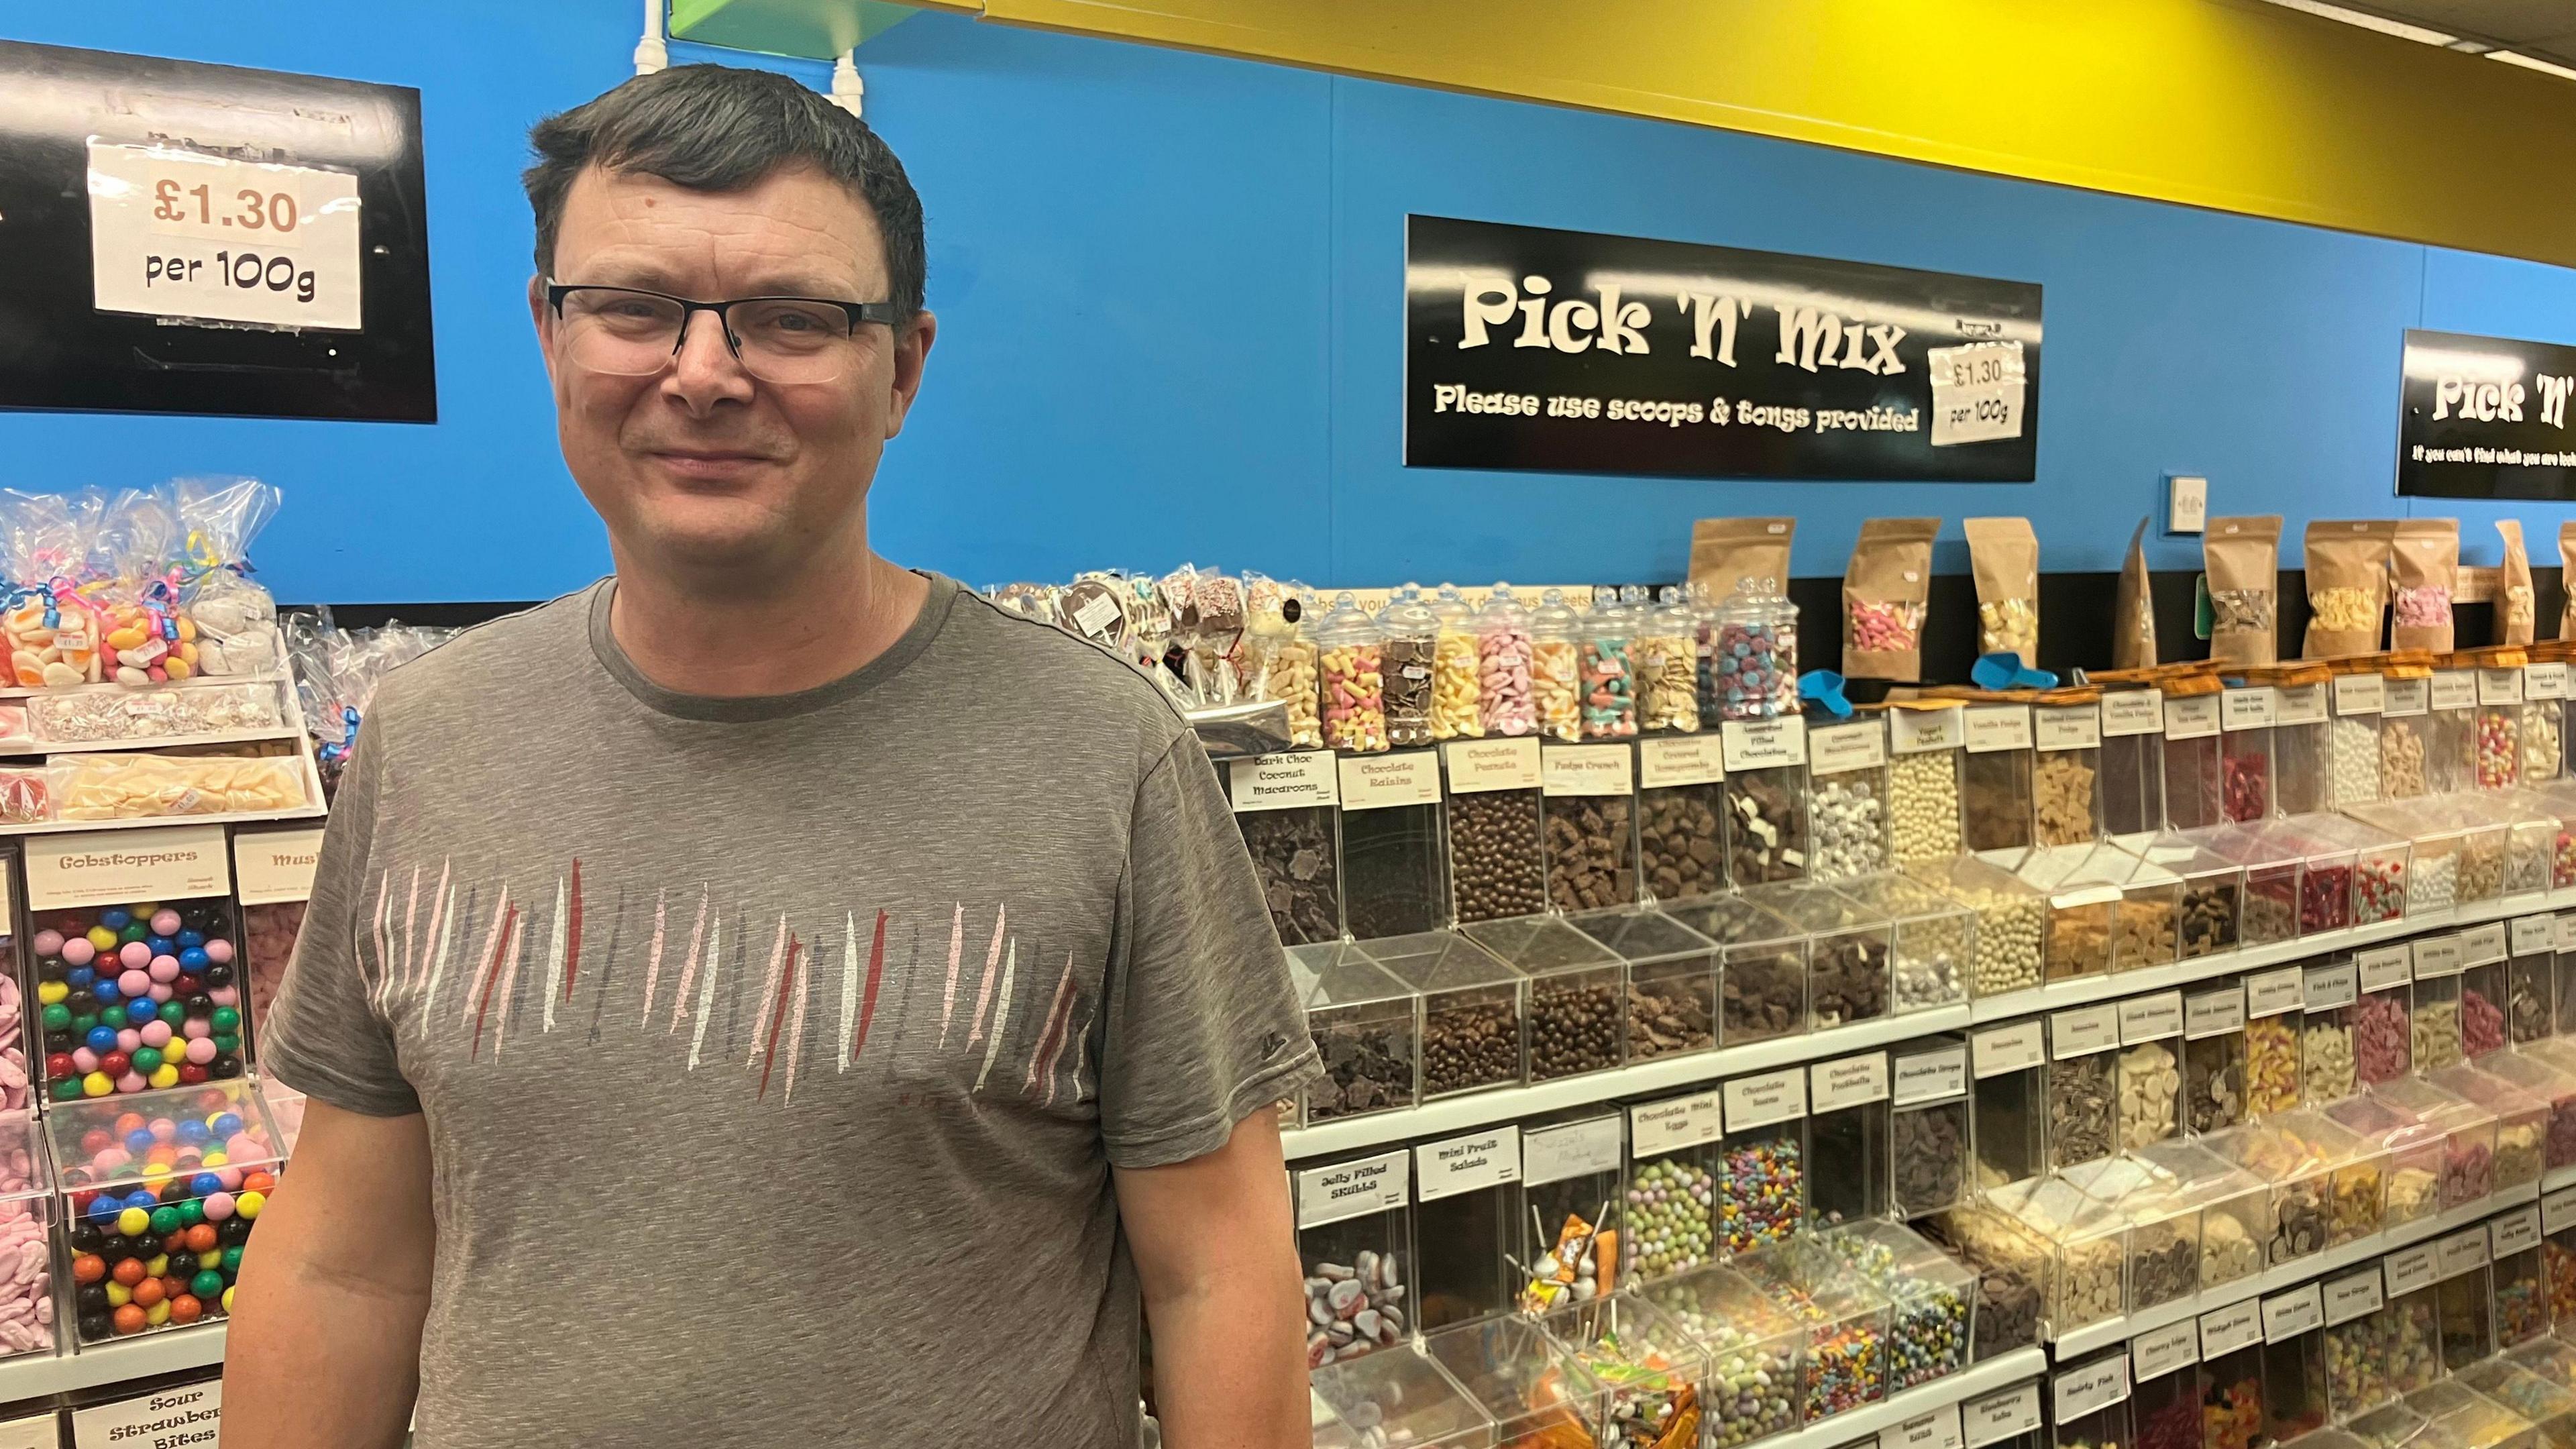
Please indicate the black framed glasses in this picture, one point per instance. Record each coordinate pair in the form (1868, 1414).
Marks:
(632, 332)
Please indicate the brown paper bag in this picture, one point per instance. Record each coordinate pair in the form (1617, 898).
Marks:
(2516, 605)
(1726, 553)
(2567, 580)
(2347, 576)
(2242, 556)
(2425, 563)
(1889, 577)
(2133, 620)
(2003, 554)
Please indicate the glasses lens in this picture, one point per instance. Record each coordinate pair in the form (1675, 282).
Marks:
(786, 340)
(629, 334)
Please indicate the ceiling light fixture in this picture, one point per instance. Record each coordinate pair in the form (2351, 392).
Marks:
(2398, 28)
(2510, 57)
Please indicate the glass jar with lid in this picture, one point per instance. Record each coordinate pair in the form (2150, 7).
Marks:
(1505, 704)
(1350, 677)
(1609, 677)
(1456, 703)
(1667, 663)
(1556, 667)
(1409, 652)
(1753, 652)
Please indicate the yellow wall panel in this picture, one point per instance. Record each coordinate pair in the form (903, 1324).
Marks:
(2230, 104)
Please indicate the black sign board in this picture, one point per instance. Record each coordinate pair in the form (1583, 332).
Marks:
(1570, 352)
(179, 237)
(2486, 417)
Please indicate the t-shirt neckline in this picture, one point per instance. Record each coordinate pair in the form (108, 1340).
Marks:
(907, 647)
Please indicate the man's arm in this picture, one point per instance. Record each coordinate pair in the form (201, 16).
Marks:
(1216, 1255)
(324, 1349)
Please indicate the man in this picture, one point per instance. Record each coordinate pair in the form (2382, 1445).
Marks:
(770, 997)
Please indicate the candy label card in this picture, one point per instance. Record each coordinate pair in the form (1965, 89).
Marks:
(1467, 1163)
(1674, 1123)
(270, 866)
(1577, 1149)
(1382, 782)
(187, 1415)
(1349, 1189)
(1589, 770)
(1765, 1099)
(1478, 766)
(108, 867)
(1668, 761)
(1284, 781)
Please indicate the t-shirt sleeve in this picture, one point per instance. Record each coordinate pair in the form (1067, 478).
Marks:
(1202, 1025)
(326, 1036)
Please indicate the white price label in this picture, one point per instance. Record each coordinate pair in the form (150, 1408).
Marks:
(2174, 1346)
(2515, 1232)
(1994, 727)
(2481, 944)
(1977, 392)
(2094, 1387)
(1840, 749)
(2225, 1330)
(1669, 761)
(1383, 782)
(2462, 1252)
(2385, 966)
(1850, 1082)
(2353, 1297)
(1588, 770)
(1931, 1076)
(2455, 689)
(2275, 992)
(105, 867)
(2335, 984)
(179, 233)
(2246, 708)
(2193, 717)
(1479, 766)
(2544, 681)
(2558, 1210)
(2013, 1048)
(2437, 956)
(1938, 1429)
(2084, 1030)
(2535, 935)
(2499, 686)
(2072, 727)
(1478, 1160)
(186, 1415)
(2150, 1018)
(1759, 1101)
(2359, 694)
(2410, 1270)
(2299, 704)
(2133, 712)
(1673, 1124)
(2006, 1415)
(2407, 697)
(1284, 782)
(2214, 1013)
(1351, 1189)
(2287, 1315)
(1764, 744)
(1577, 1149)
(1920, 731)
(2567, 932)
(270, 866)
(43, 1431)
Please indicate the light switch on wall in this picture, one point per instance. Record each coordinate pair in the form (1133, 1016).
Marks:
(2186, 503)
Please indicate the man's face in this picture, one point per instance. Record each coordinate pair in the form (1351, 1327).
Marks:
(703, 469)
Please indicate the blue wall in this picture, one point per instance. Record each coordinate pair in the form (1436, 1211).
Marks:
(1170, 290)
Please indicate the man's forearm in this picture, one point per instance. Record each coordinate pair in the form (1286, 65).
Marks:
(1225, 1378)
(315, 1364)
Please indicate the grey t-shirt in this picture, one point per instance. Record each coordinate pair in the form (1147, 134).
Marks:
(775, 1052)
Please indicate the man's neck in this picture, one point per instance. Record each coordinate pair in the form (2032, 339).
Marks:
(736, 646)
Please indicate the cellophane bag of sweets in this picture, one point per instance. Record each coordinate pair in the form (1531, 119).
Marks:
(2347, 575)
(2567, 570)
(2426, 565)
(147, 633)
(2243, 559)
(2516, 603)
(1279, 662)
(51, 619)
(1884, 589)
(235, 619)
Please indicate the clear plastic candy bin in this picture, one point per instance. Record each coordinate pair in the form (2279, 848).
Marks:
(214, 1157)
(1577, 1022)
(1363, 1024)
(138, 997)
(1756, 1352)
(1527, 1384)
(1652, 1368)
(1472, 1010)
(1672, 980)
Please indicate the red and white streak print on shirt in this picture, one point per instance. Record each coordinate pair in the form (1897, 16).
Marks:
(711, 983)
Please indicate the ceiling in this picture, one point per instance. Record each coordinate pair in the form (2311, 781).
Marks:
(2541, 29)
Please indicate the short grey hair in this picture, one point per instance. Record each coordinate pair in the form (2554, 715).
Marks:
(719, 128)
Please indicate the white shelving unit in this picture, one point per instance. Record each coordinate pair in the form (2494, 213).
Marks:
(149, 1356)
(1667, 1074)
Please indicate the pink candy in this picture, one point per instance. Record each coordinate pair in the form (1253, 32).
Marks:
(1503, 682)
(1885, 626)
(2381, 1047)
